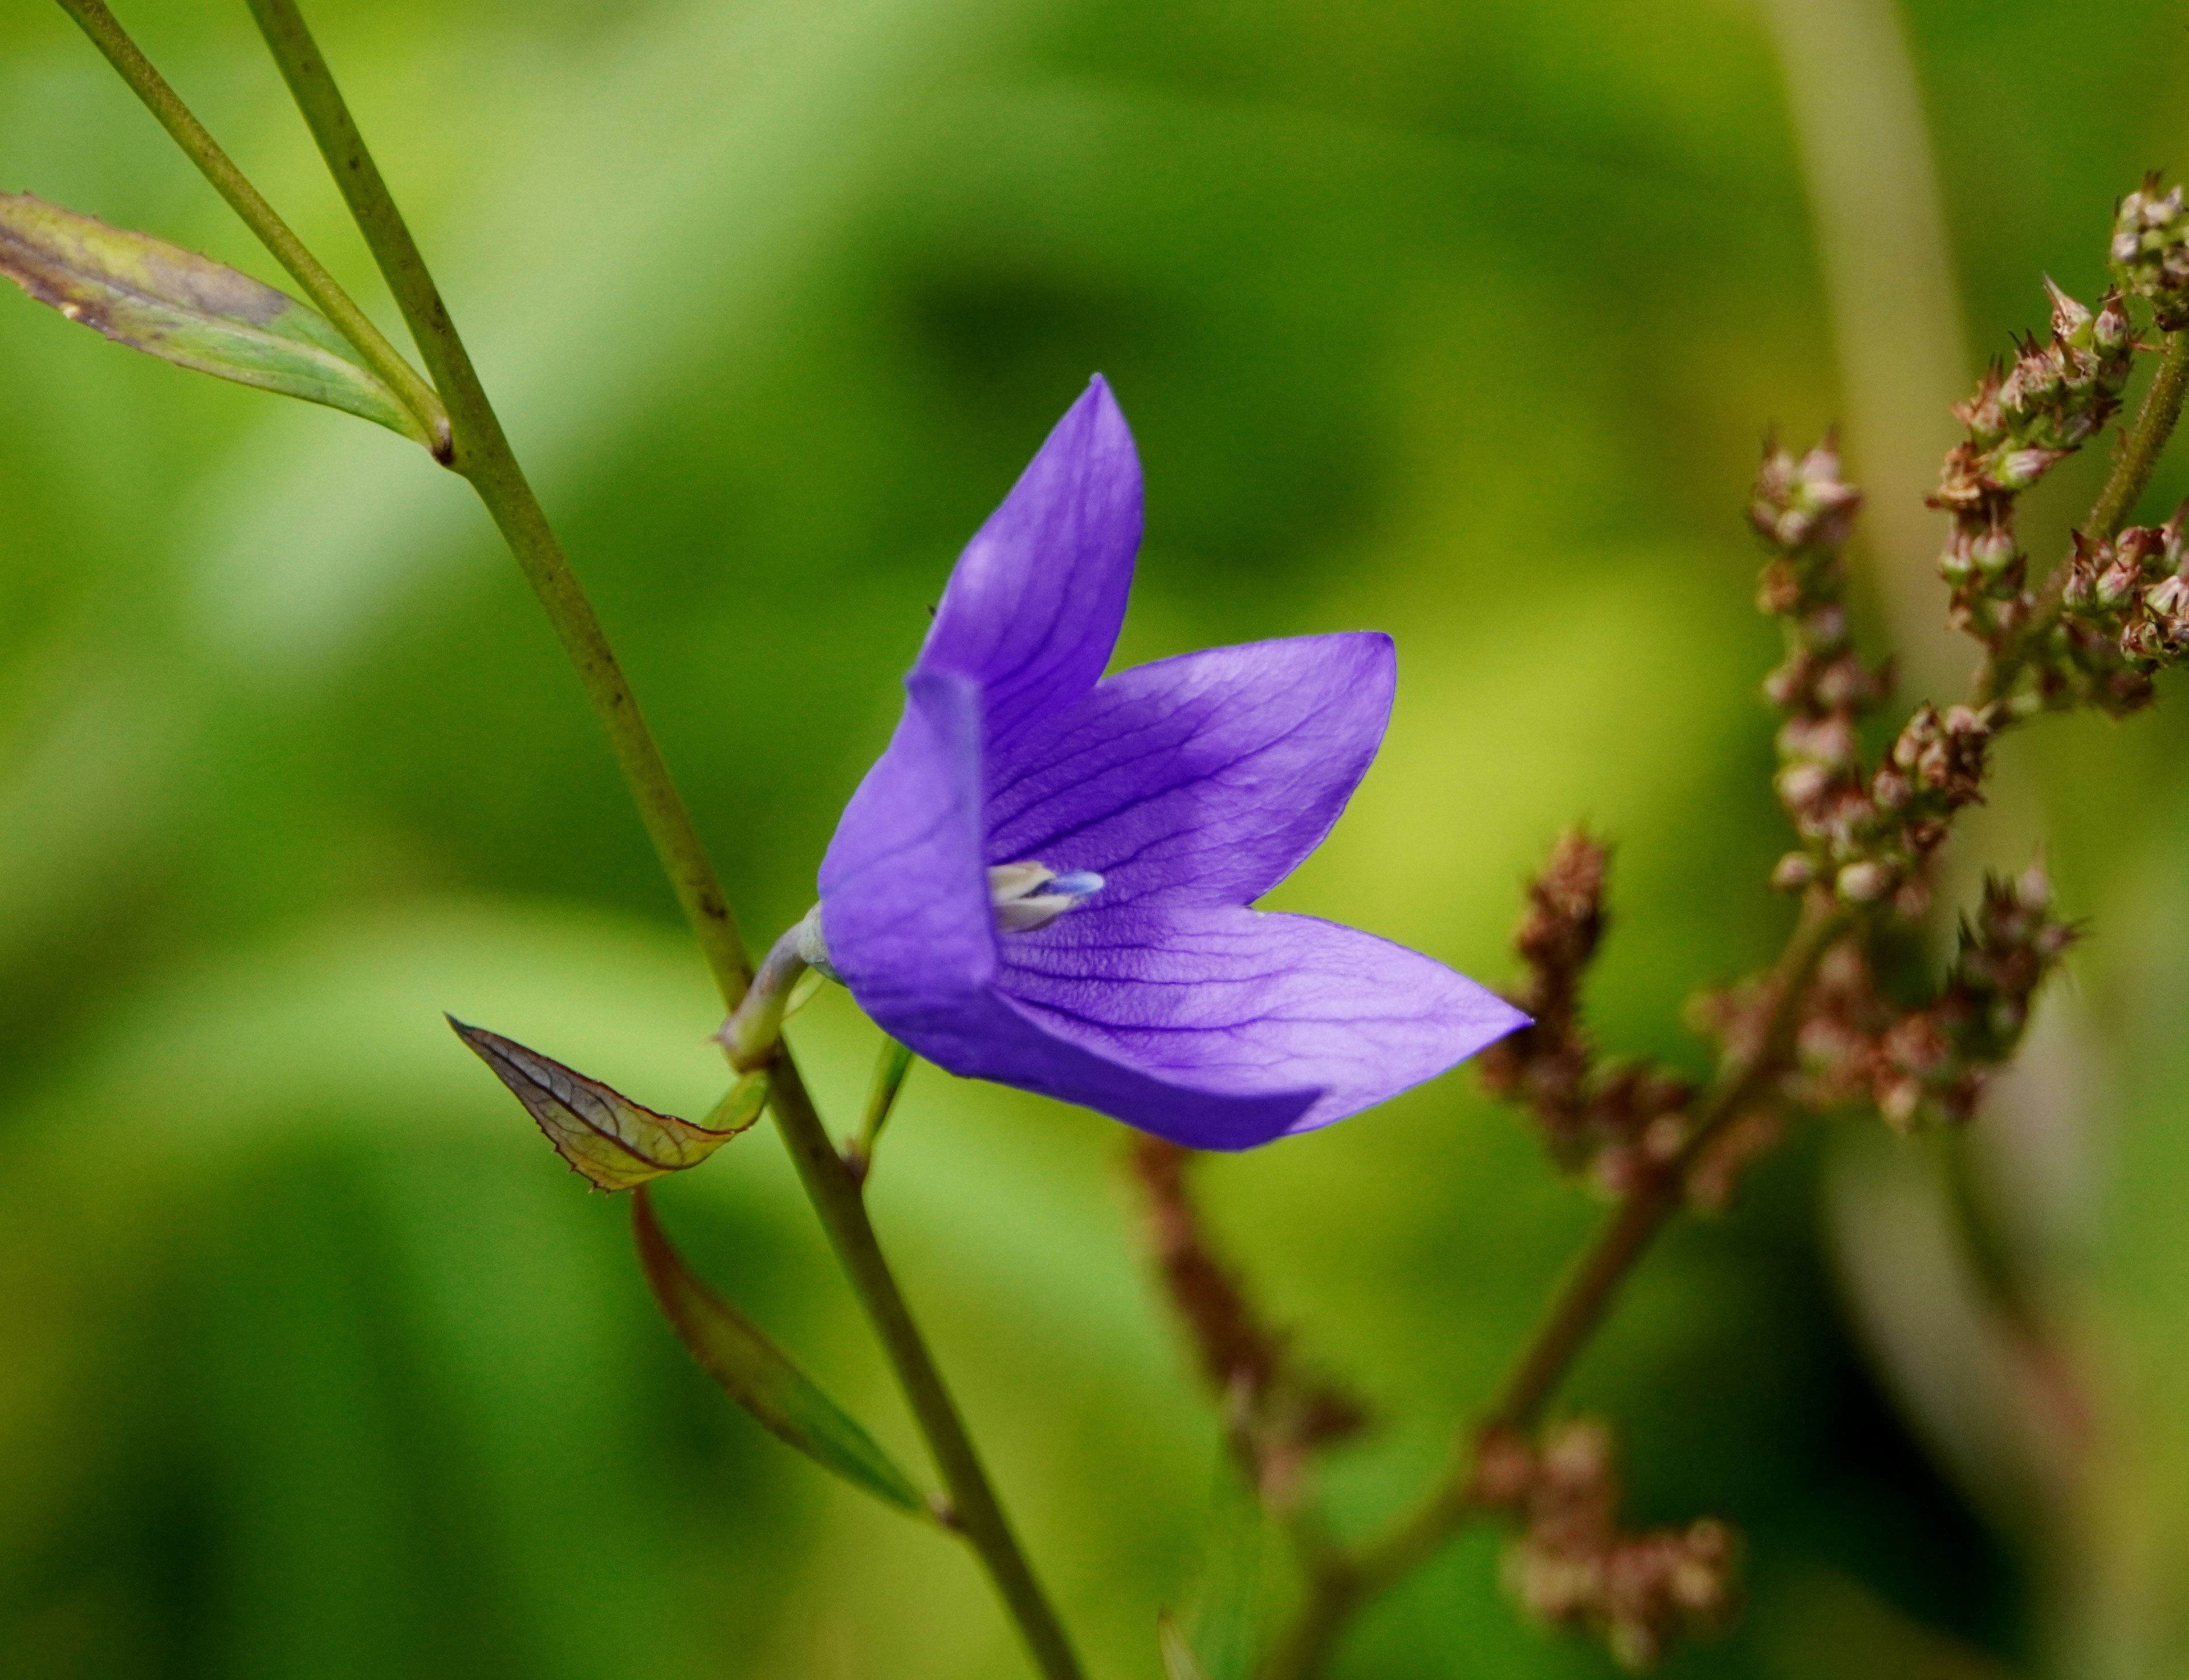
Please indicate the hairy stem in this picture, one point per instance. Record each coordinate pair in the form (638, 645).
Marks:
(2147, 442)
(318, 287)
(2133, 467)
(483, 455)
(1347, 1581)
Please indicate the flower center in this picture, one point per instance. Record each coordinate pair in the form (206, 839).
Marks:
(1028, 896)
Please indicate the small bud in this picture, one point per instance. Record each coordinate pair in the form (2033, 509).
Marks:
(1801, 785)
(1793, 872)
(2169, 597)
(1788, 685)
(1993, 550)
(1919, 732)
(1983, 414)
(2109, 331)
(1957, 560)
(1826, 628)
(2018, 469)
(1828, 740)
(1912, 901)
(2118, 582)
(2033, 889)
(1864, 882)
(2069, 318)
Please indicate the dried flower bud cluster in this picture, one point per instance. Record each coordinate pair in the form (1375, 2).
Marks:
(1865, 836)
(1931, 1062)
(2125, 614)
(1571, 1565)
(2150, 252)
(1625, 1121)
(2022, 421)
(1278, 1416)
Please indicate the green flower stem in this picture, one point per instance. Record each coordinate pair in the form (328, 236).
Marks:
(974, 1511)
(483, 455)
(891, 1063)
(1343, 1581)
(2131, 475)
(319, 287)
(2147, 442)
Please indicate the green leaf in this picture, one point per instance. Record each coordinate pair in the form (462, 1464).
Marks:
(757, 1374)
(189, 310)
(601, 1133)
(1180, 1662)
(1226, 1603)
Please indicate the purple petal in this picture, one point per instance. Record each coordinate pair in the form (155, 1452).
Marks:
(1216, 1006)
(991, 1036)
(904, 893)
(1034, 603)
(1199, 780)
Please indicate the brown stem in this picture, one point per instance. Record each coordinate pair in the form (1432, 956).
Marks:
(1347, 1580)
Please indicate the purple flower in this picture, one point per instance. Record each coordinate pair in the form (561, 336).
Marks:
(1044, 881)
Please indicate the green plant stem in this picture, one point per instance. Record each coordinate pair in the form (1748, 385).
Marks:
(974, 1509)
(892, 1063)
(2146, 441)
(483, 455)
(318, 287)
(1345, 1581)
(2133, 467)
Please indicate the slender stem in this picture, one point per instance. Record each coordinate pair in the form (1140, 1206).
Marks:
(892, 1063)
(2147, 440)
(2131, 475)
(483, 456)
(975, 1511)
(319, 285)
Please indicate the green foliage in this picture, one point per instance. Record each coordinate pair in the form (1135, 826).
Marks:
(174, 304)
(1459, 321)
(610, 1140)
(757, 1374)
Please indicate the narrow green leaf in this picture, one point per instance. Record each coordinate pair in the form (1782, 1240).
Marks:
(1225, 1611)
(189, 309)
(759, 1376)
(601, 1133)
(1180, 1662)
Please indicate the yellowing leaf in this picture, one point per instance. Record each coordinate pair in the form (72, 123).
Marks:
(757, 1374)
(189, 310)
(601, 1133)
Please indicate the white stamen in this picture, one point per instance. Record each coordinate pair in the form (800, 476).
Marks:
(1028, 896)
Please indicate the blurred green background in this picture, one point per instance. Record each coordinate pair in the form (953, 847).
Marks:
(1462, 322)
